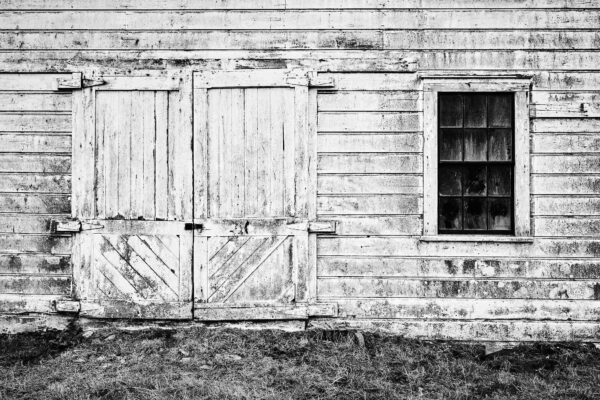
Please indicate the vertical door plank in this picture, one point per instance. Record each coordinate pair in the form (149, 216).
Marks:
(148, 132)
(289, 140)
(263, 152)
(214, 147)
(200, 153)
(251, 159)
(311, 201)
(277, 171)
(100, 153)
(123, 132)
(111, 152)
(227, 143)
(301, 169)
(173, 186)
(161, 169)
(237, 140)
(83, 144)
(201, 255)
(139, 109)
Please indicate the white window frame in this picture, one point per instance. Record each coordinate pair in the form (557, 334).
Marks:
(521, 87)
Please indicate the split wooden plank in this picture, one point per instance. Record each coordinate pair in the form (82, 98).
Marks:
(45, 264)
(305, 19)
(566, 205)
(35, 122)
(28, 303)
(330, 288)
(35, 143)
(35, 203)
(18, 243)
(383, 100)
(161, 171)
(369, 184)
(467, 268)
(40, 163)
(122, 151)
(149, 156)
(492, 331)
(35, 285)
(289, 4)
(378, 225)
(35, 183)
(378, 204)
(565, 164)
(565, 184)
(141, 107)
(23, 223)
(402, 246)
(351, 39)
(31, 82)
(34, 102)
(376, 163)
(252, 159)
(539, 125)
(467, 309)
(560, 144)
(370, 143)
(369, 122)
(567, 227)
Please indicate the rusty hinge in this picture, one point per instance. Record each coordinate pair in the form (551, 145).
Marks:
(314, 80)
(72, 226)
(322, 227)
(77, 81)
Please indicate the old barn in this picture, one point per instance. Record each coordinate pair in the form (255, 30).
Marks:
(427, 167)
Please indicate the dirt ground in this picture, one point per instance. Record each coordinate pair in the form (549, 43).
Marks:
(201, 363)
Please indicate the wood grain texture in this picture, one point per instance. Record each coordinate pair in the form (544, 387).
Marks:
(35, 166)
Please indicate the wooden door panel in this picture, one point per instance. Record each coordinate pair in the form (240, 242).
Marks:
(251, 268)
(137, 267)
(133, 186)
(251, 146)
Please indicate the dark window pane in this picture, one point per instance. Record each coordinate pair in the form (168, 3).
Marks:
(499, 180)
(500, 109)
(451, 145)
(451, 113)
(475, 145)
(500, 214)
(450, 180)
(475, 111)
(475, 213)
(500, 144)
(450, 213)
(475, 180)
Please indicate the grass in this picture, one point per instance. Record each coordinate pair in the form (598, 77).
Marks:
(201, 363)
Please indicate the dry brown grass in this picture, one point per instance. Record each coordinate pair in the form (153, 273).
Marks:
(232, 364)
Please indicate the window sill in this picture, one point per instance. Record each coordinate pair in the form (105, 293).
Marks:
(476, 238)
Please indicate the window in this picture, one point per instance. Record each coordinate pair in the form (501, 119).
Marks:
(475, 163)
(476, 158)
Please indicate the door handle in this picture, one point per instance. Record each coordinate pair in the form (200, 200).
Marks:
(190, 226)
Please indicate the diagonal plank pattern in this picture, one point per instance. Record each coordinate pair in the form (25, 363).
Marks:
(137, 267)
(259, 267)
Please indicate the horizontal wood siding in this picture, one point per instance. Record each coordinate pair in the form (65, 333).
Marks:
(35, 171)
(370, 142)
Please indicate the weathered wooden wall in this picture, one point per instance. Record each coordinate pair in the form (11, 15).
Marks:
(370, 141)
(35, 187)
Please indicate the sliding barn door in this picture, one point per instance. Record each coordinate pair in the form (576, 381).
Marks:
(250, 192)
(132, 193)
